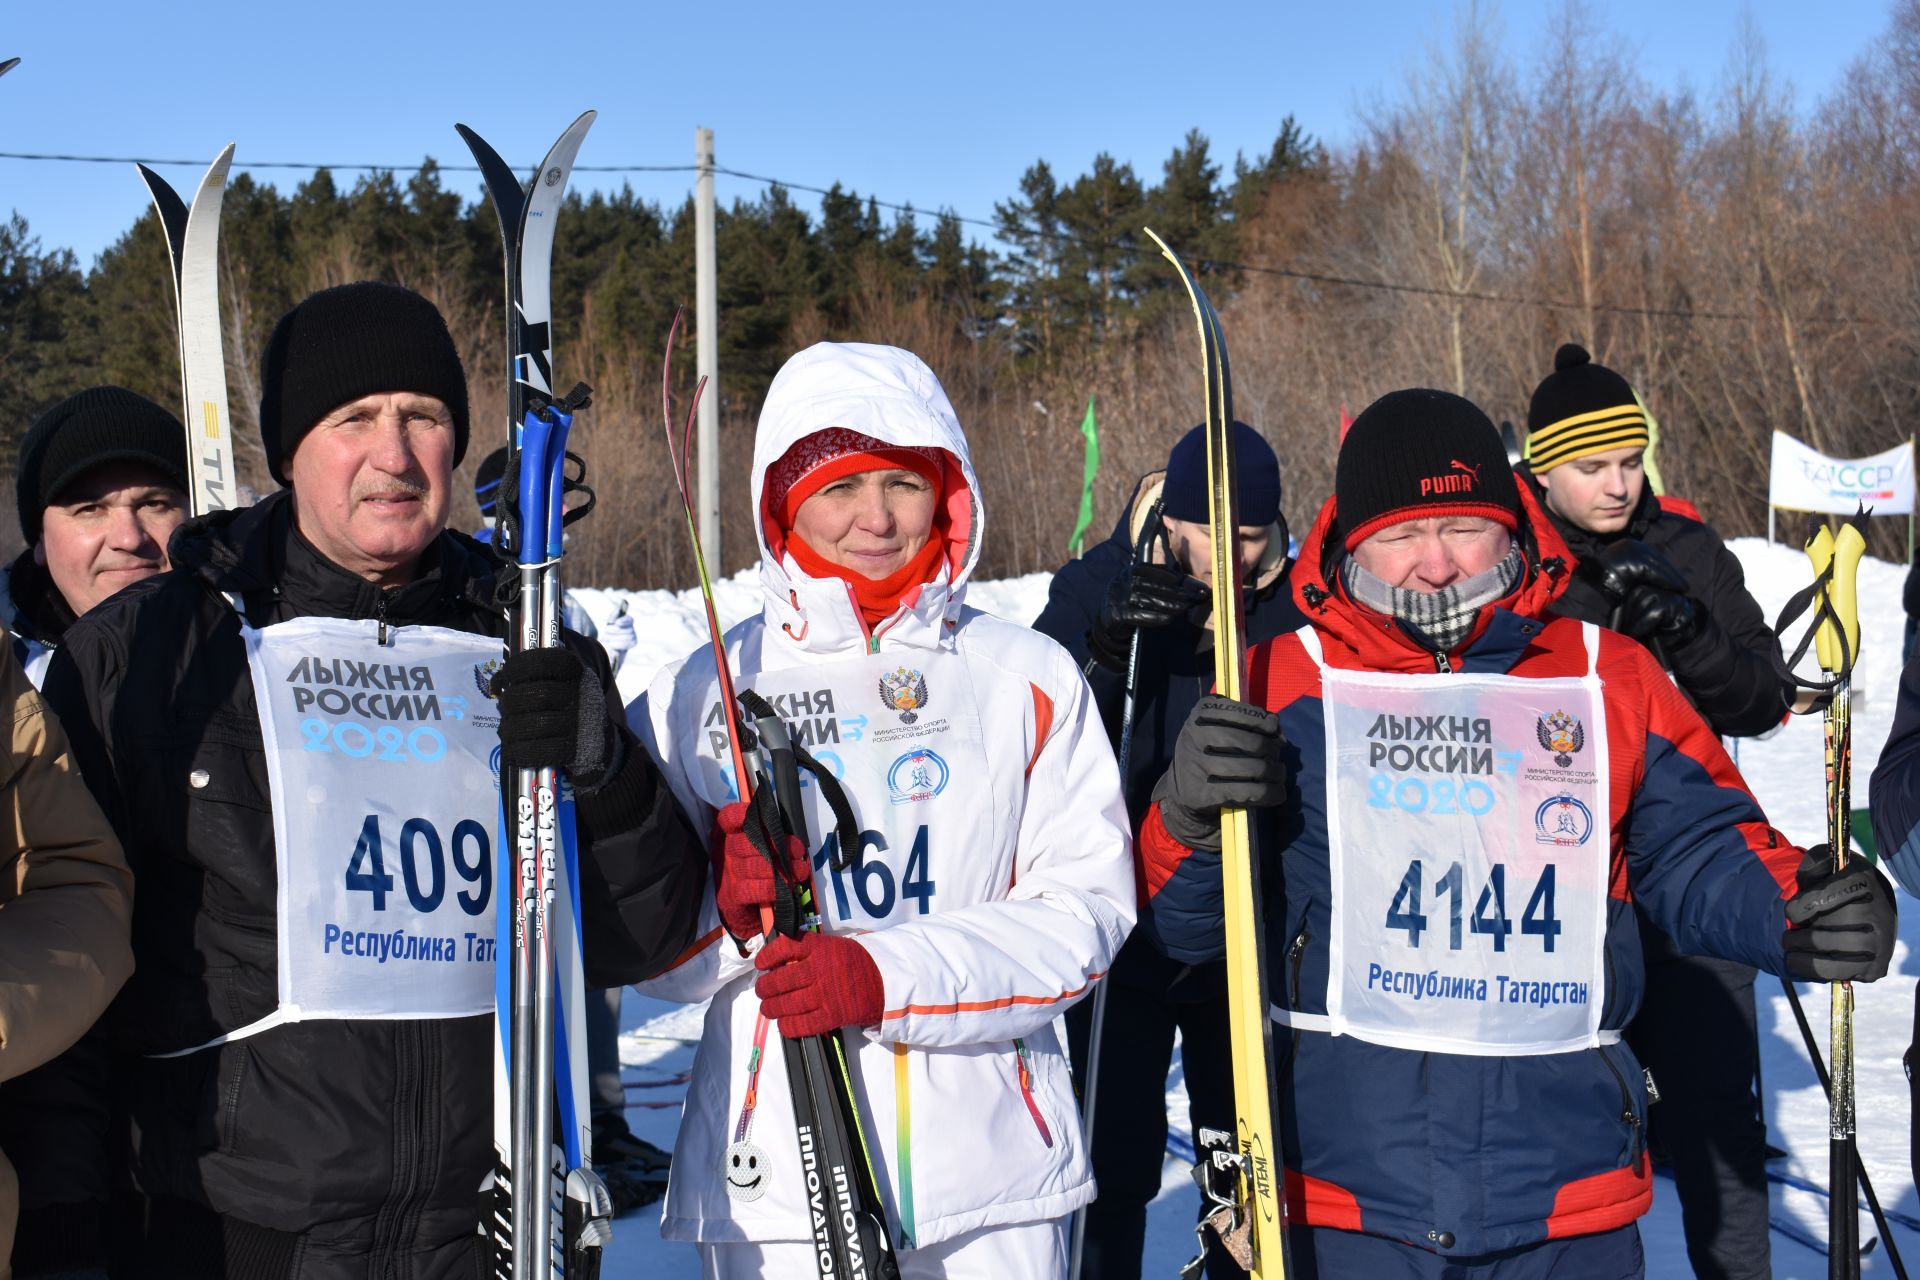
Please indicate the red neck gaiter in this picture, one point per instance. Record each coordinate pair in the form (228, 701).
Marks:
(877, 597)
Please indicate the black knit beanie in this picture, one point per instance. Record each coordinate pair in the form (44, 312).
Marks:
(1256, 470)
(351, 341)
(95, 426)
(1581, 408)
(1419, 453)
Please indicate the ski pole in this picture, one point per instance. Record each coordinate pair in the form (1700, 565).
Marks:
(1826, 1087)
(1142, 548)
(1836, 640)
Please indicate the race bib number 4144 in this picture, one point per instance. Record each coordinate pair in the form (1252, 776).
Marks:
(1469, 847)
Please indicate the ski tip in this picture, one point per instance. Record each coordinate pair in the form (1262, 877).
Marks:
(1155, 237)
(217, 171)
(8, 64)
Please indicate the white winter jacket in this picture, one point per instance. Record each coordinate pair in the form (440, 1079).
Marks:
(996, 879)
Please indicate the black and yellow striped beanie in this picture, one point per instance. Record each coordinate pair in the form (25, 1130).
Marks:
(1581, 408)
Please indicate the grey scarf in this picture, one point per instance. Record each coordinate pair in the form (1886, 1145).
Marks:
(1440, 619)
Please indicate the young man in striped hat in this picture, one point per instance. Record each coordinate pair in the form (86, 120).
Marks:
(1670, 582)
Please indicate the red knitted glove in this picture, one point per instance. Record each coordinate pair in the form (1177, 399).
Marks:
(818, 982)
(744, 878)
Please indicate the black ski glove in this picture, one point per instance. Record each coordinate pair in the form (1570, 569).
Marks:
(1228, 753)
(1842, 925)
(1142, 595)
(553, 715)
(1650, 595)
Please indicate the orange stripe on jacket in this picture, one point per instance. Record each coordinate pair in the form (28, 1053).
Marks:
(1042, 724)
(988, 1006)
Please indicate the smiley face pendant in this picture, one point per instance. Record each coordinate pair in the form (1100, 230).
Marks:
(746, 1172)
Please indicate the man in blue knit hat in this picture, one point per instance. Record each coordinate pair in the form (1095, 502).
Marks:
(1096, 606)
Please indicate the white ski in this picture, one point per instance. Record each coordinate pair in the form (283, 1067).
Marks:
(193, 244)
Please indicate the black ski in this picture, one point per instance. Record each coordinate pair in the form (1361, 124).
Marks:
(854, 1222)
(8, 64)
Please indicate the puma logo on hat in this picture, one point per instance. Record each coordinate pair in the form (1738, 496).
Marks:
(1461, 479)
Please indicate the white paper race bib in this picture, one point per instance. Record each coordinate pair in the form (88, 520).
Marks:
(906, 743)
(381, 760)
(1469, 842)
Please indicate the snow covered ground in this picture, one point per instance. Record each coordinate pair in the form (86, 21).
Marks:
(1785, 771)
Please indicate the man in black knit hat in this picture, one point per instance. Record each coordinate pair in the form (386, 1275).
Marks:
(1459, 799)
(1095, 607)
(1670, 582)
(101, 485)
(294, 733)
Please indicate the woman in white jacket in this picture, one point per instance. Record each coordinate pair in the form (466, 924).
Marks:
(995, 881)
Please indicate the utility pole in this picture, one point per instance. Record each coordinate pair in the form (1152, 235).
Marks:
(706, 324)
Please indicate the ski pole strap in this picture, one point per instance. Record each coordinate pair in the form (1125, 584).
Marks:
(845, 825)
(1834, 631)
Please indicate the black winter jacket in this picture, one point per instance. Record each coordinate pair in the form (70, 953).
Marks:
(334, 1148)
(1732, 671)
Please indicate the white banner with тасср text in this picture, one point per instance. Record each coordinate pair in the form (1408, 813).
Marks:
(1803, 480)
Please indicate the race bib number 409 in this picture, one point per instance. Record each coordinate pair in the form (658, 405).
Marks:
(380, 758)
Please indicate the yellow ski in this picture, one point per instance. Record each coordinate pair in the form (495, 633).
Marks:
(1245, 1178)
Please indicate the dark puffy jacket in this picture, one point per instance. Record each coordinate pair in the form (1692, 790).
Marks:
(1732, 671)
(358, 1147)
(1895, 790)
(1459, 1153)
(1176, 661)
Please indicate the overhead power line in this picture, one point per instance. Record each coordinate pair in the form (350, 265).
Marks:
(999, 228)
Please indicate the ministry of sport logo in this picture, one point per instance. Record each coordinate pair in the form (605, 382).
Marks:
(905, 691)
(483, 673)
(1561, 733)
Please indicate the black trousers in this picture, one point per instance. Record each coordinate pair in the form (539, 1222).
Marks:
(1148, 998)
(1695, 1033)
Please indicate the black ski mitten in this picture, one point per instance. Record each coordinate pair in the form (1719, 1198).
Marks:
(553, 715)
(1841, 926)
(1228, 753)
(1142, 595)
(1650, 595)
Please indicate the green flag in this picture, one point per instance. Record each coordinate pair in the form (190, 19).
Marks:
(1092, 468)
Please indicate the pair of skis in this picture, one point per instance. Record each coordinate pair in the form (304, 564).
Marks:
(193, 248)
(1238, 1175)
(849, 1220)
(550, 1216)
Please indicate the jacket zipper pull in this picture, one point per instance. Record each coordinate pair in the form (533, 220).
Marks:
(1442, 664)
(1026, 1092)
(380, 615)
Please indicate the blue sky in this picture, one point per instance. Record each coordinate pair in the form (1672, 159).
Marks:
(936, 104)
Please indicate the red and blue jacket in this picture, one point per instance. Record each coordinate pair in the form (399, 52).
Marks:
(1471, 1154)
